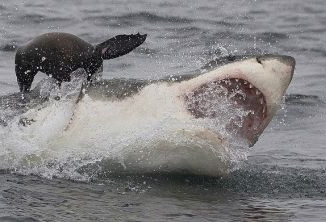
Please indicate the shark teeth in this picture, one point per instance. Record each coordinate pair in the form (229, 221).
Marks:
(241, 95)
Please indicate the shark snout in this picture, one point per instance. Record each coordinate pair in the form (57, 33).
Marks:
(289, 61)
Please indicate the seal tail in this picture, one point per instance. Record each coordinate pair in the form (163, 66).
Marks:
(119, 45)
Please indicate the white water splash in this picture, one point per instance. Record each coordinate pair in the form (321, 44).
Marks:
(149, 132)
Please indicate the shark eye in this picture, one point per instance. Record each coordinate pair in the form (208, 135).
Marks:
(258, 60)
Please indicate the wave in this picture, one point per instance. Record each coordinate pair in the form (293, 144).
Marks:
(304, 100)
(133, 19)
(269, 181)
(9, 47)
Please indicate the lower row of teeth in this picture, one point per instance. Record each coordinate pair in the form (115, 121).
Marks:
(261, 100)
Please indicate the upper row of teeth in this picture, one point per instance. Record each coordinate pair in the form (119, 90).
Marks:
(246, 83)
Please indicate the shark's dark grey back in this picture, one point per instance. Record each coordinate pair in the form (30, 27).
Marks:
(16, 104)
(115, 88)
(220, 61)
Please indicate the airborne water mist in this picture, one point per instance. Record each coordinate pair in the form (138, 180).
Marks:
(132, 135)
(199, 124)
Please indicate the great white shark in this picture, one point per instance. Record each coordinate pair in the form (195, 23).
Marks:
(244, 91)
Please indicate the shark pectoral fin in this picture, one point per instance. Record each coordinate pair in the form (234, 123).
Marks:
(119, 45)
(80, 96)
(71, 118)
(82, 91)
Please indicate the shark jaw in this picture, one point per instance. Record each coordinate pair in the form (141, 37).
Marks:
(255, 85)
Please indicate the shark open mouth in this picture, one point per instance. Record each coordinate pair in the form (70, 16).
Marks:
(242, 103)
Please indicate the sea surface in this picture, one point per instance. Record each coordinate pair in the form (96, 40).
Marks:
(284, 175)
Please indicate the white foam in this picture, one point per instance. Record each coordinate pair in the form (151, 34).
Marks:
(148, 132)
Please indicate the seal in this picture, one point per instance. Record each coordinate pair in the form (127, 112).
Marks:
(58, 54)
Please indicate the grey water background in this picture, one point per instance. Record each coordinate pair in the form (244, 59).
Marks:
(284, 178)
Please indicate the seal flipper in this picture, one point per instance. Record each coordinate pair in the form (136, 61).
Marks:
(25, 72)
(119, 45)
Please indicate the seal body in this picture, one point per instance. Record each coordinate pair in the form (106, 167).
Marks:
(58, 54)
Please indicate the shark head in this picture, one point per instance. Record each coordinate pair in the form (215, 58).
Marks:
(253, 84)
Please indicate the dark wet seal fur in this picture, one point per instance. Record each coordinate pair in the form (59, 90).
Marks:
(58, 54)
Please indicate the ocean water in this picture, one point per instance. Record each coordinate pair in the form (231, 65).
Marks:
(284, 175)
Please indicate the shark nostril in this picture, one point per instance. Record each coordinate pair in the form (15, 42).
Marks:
(259, 60)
